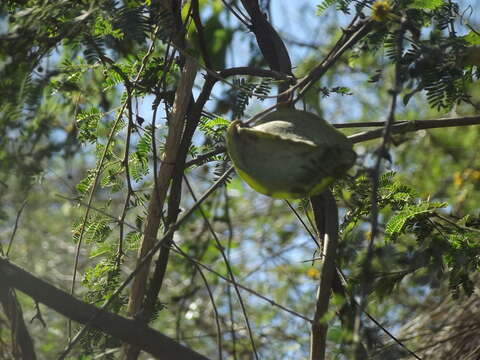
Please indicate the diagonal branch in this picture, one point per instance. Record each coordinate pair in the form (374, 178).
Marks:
(352, 36)
(165, 173)
(229, 270)
(127, 330)
(203, 266)
(270, 43)
(148, 256)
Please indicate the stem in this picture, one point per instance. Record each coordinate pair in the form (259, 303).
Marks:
(326, 219)
(165, 174)
(147, 259)
(415, 125)
(159, 194)
(127, 330)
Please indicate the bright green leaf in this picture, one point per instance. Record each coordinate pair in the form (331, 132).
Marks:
(426, 4)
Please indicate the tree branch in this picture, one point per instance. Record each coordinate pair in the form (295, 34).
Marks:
(193, 117)
(399, 127)
(415, 125)
(252, 71)
(22, 344)
(326, 219)
(127, 330)
(351, 36)
(155, 208)
(148, 256)
(159, 194)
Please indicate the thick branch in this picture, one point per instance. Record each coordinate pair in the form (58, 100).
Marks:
(172, 145)
(326, 219)
(156, 282)
(19, 330)
(193, 117)
(127, 330)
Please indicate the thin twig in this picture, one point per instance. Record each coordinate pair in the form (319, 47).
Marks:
(38, 315)
(212, 300)
(98, 171)
(194, 6)
(393, 337)
(200, 159)
(146, 259)
(459, 227)
(238, 14)
(243, 287)
(273, 256)
(352, 36)
(297, 215)
(251, 291)
(228, 267)
(126, 164)
(90, 201)
(169, 59)
(381, 153)
(229, 289)
(15, 226)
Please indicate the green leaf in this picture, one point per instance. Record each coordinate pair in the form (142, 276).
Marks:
(86, 182)
(98, 230)
(396, 224)
(144, 147)
(104, 27)
(426, 4)
(87, 123)
(214, 128)
(132, 240)
(408, 214)
(472, 38)
(137, 169)
(102, 249)
(324, 5)
(112, 79)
